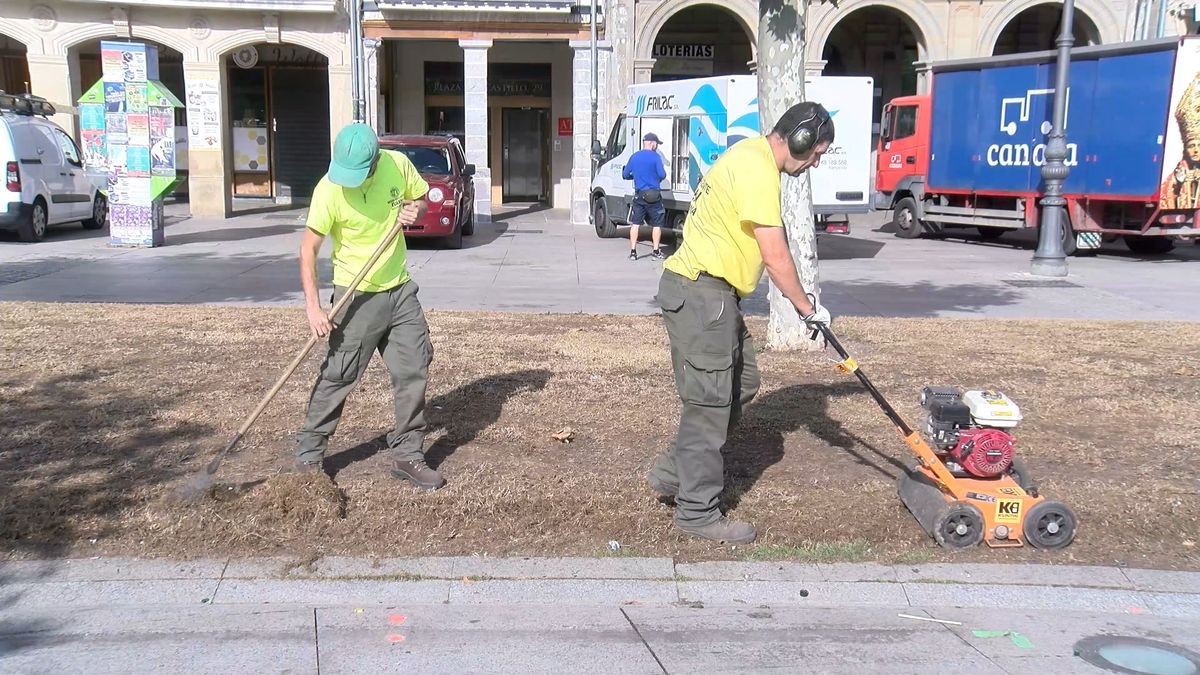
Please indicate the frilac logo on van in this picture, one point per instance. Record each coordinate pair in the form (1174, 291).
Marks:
(647, 103)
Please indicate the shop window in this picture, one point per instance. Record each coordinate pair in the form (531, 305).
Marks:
(248, 97)
(446, 120)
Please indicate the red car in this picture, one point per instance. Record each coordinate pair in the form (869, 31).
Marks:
(443, 165)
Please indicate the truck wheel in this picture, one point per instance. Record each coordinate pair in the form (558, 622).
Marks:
(904, 217)
(990, 233)
(1149, 245)
(605, 227)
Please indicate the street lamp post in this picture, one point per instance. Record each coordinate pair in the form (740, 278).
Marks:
(1050, 259)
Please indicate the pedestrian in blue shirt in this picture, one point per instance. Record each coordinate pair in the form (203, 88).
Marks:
(645, 169)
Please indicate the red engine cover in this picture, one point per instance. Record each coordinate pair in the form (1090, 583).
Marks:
(984, 453)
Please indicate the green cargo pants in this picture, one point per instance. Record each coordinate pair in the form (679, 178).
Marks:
(716, 374)
(393, 323)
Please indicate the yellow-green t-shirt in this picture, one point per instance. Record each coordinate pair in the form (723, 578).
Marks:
(739, 192)
(359, 218)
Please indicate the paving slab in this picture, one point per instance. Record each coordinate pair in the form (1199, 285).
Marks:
(554, 591)
(159, 640)
(107, 593)
(815, 594)
(370, 568)
(466, 639)
(108, 569)
(1173, 604)
(1044, 575)
(565, 568)
(1055, 633)
(1164, 580)
(329, 592)
(725, 639)
(1027, 597)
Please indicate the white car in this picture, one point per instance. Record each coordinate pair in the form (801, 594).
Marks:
(44, 179)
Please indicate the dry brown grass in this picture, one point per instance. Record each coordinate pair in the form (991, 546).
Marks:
(108, 408)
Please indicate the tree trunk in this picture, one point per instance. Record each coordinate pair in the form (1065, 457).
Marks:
(780, 86)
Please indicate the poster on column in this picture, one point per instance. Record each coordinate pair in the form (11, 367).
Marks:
(203, 114)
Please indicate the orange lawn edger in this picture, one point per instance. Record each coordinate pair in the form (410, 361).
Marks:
(972, 488)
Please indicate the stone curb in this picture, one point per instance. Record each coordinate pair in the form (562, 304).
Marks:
(593, 581)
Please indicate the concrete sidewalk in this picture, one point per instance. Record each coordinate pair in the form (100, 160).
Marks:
(603, 615)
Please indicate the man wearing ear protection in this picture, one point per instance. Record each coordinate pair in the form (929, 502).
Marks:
(733, 231)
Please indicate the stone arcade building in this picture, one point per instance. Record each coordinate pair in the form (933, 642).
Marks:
(512, 78)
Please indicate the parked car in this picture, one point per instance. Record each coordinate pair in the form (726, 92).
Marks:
(443, 164)
(44, 180)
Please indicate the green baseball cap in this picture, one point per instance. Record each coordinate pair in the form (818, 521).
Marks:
(354, 151)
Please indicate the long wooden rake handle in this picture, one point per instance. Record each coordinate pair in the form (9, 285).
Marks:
(312, 341)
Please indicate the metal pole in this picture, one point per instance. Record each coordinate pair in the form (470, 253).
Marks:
(1050, 259)
(595, 86)
(356, 83)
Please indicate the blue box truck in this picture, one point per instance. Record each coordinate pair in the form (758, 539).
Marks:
(969, 154)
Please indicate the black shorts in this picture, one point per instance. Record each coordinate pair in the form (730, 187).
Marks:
(647, 214)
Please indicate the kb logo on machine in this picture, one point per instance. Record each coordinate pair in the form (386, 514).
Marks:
(1008, 511)
(647, 103)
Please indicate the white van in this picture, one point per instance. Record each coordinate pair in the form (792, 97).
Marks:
(698, 119)
(44, 180)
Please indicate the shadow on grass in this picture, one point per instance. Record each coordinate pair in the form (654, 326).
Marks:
(462, 413)
(757, 442)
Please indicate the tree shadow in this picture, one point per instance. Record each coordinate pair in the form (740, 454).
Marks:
(462, 413)
(758, 441)
(77, 453)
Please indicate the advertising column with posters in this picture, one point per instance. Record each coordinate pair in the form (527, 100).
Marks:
(127, 124)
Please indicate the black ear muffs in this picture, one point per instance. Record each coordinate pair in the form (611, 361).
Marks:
(804, 135)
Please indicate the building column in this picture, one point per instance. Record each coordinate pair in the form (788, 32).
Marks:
(923, 70)
(581, 108)
(341, 103)
(642, 70)
(372, 50)
(210, 176)
(50, 77)
(475, 111)
(814, 68)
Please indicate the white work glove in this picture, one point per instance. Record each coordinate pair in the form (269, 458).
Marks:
(819, 317)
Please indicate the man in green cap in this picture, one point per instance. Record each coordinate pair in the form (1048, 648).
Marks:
(366, 191)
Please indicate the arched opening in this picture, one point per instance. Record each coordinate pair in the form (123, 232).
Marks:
(14, 67)
(701, 41)
(1036, 29)
(877, 42)
(87, 69)
(277, 122)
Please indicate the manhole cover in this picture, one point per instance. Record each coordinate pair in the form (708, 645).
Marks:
(1137, 655)
(1040, 283)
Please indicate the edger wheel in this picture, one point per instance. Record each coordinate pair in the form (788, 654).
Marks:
(961, 526)
(1049, 525)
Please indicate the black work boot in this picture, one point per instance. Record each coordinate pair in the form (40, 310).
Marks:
(725, 531)
(418, 473)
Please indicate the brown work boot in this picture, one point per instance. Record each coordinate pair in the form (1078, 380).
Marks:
(418, 473)
(725, 531)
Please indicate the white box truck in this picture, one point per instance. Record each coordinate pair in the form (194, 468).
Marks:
(698, 119)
